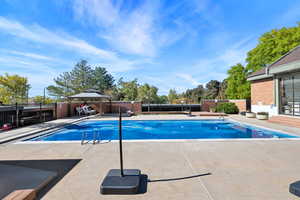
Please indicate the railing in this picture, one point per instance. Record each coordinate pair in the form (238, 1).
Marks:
(17, 115)
(170, 107)
(96, 137)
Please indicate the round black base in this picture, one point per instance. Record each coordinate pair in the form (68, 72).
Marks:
(114, 183)
(295, 188)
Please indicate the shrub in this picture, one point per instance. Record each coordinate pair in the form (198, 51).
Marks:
(263, 113)
(228, 108)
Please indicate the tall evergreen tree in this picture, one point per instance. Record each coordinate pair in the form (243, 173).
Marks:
(82, 77)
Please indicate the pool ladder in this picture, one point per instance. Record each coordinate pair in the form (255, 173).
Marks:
(221, 116)
(96, 137)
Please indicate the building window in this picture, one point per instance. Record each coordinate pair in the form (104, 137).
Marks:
(290, 95)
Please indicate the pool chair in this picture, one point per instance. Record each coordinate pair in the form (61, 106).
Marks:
(129, 113)
(88, 111)
(79, 111)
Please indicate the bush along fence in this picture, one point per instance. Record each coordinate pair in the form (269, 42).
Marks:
(213, 105)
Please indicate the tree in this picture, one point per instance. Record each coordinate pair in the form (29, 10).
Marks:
(128, 91)
(172, 96)
(147, 93)
(194, 95)
(82, 77)
(237, 85)
(102, 79)
(162, 99)
(41, 99)
(14, 88)
(5, 96)
(222, 91)
(272, 45)
(212, 89)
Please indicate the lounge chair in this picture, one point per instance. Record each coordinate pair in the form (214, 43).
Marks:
(79, 111)
(129, 113)
(88, 111)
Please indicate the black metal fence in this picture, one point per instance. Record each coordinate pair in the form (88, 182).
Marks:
(25, 114)
(170, 107)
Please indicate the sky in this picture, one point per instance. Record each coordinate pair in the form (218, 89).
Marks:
(172, 44)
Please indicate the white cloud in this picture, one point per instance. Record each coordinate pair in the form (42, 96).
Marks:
(39, 34)
(138, 31)
(63, 42)
(189, 78)
(30, 55)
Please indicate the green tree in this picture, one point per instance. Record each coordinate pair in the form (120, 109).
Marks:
(82, 77)
(14, 88)
(237, 85)
(194, 95)
(222, 91)
(172, 96)
(147, 93)
(162, 99)
(128, 91)
(212, 89)
(271, 46)
(5, 96)
(41, 99)
(102, 79)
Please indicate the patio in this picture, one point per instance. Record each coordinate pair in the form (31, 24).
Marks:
(239, 169)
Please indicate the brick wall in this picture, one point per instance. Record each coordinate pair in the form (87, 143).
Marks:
(62, 110)
(100, 107)
(242, 104)
(207, 104)
(136, 107)
(262, 92)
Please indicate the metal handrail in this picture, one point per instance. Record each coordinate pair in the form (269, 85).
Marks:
(96, 136)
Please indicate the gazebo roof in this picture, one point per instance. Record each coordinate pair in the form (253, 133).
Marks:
(89, 94)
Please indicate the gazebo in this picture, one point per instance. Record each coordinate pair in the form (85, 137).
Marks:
(90, 95)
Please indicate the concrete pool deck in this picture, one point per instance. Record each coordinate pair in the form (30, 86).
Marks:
(258, 169)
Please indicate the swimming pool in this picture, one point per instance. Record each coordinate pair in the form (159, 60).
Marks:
(161, 129)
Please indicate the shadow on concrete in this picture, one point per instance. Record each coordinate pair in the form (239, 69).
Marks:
(179, 178)
(61, 167)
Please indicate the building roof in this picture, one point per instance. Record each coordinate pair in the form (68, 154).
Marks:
(89, 94)
(289, 58)
(257, 73)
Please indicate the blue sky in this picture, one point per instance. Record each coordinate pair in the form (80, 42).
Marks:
(170, 44)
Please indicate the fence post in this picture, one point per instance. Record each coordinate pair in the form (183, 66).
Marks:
(55, 107)
(17, 115)
(40, 112)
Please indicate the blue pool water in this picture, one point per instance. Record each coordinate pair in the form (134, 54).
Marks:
(162, 129)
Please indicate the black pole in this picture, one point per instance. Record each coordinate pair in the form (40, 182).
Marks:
(120, 142)
(55, 108)
(40, 112)
(17, 115)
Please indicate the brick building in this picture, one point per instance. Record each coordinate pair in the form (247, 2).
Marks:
(276, 88)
